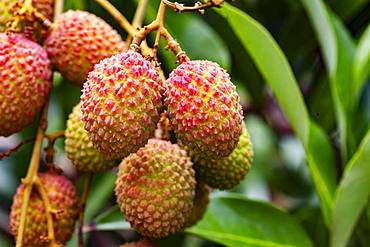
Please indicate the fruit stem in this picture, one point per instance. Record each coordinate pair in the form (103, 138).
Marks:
(26, 8)
(123, 22)
(48, 211)
(82, 209)
(58, 8)
(121, 19)
(32, 176)
(160, 18)
(198, 6)
(158, 24)
(174, 46)
(138, 18)
(50, 151)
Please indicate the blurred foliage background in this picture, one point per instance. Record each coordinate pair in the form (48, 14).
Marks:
(279, 175)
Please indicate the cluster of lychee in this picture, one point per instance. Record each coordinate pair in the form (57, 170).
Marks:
(162, 186)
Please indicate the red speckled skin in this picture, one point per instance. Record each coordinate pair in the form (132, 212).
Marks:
(62, 196)
(155, 189)
(78, 41)
(25, 81)
(121, 103)
(204, 109)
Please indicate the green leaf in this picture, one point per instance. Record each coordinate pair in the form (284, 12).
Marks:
(275, 69)
(352, 194)
(110, 226)
(101, 190)
(337, 47)
(248, 223)
(362, 62)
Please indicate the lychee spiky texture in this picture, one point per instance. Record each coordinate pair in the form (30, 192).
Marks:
(62, 196)
(230, 171)
(141, 243)
(155, 188)
(80, 149)
(121, 104)
(78, 41)
(8, 8)
(201, 201)
(25, 81)
(203, 107)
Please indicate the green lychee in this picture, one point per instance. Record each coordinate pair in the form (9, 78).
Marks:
(203, 107)
(155, 188)
(62, 196)
(230, 171)
(78, 41)
(121, 104)
(25, 81)
(80, 149)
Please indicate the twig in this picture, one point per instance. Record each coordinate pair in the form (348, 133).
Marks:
(50, 151)
(158, 25)
(174, 46)
(16, 148)
(26, 8)
(31, 176)
(198, 6)
(121, 19)
(48, 211)
(82, 209)
(138, 18)
(58, 8)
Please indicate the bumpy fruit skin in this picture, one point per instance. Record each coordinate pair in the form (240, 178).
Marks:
(155, 188)
(201, 201)
(62, 197)
(25, 81)
(121, 104)
(227, 172)
(78, 41)
(141, 243)
(203, 108)
(7, 9)
(80, 149)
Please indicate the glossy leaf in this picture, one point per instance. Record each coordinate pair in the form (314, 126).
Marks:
(278, 74)
(337, 47)
(352, 194)
(362, 62)
(248, 223)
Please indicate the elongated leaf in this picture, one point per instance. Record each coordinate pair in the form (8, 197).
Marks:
(276, 70)
(338, 49)
(249, 223)
(352, 194)
(362, 62)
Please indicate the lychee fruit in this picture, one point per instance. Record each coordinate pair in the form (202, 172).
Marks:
(62, 196)
(121, 104)
(25, 81)
(78, 41)
(201, 201)
(8, 9)
(230, 171)
(141, 243)
(203, 107)
(80, 149)
(155, 189)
